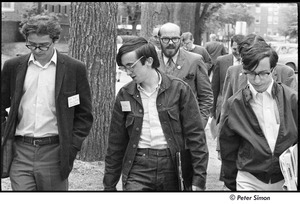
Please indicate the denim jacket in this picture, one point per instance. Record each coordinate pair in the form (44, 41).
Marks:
(243, 144)
(180, 120)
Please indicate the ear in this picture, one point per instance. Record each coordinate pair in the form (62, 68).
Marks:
(149, 61)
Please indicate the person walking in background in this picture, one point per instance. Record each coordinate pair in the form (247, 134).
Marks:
(214, 49)
(220, 68)
(154, 39)
(154, 116)
(259, 123)
(50, 112)
(185, 65)
(188, 44)
(118, 71)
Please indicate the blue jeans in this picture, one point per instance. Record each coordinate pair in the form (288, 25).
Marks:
(152, 170)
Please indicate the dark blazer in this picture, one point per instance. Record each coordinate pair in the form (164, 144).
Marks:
(206, 57)
(215, 49)
(219, 69)
(191, 69)
(74, 123)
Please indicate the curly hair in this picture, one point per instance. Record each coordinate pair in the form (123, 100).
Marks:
(42, 25)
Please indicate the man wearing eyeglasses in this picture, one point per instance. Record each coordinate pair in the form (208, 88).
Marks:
(258, 124)
(50, 109)
(185, 65)
(154, 116)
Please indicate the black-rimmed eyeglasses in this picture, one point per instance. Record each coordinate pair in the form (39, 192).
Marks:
(40, 47)
(166, 40)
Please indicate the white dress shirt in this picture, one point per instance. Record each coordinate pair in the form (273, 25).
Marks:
(152, 135)
(37, 113)
(266, 111)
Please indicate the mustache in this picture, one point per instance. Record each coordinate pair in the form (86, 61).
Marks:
(171, 47)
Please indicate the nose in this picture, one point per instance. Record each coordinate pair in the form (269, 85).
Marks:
(256, 79)
(128, 72)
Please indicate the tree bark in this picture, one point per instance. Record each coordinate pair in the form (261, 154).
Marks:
(156, 14)
(93, 32)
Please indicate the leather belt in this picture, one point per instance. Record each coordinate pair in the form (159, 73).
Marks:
(38, 141)
(153, 152)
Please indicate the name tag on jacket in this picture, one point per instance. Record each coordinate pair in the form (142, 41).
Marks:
(125, 106)
(73, 100)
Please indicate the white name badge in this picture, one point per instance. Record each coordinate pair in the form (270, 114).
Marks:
(73, 100)
(125, 106)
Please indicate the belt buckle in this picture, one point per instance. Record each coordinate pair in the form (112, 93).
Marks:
(34, 142)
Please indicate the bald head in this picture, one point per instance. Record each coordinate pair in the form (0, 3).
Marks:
(170, 39)
(169, 29)
(213, 37)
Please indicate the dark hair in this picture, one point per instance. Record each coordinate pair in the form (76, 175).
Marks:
(42, 25)
(255, 53)
(248, 40)
(187, 36)
(142, 48)
(236, 38)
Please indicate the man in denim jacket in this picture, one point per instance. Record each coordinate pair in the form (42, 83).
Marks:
(154, 116)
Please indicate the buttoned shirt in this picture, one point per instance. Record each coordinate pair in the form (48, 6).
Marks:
(266, 111)
(152, 135)
(37, 112)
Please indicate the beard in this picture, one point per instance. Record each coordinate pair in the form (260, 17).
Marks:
(170, 50)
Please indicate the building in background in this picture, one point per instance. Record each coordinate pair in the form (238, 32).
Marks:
(268, 18)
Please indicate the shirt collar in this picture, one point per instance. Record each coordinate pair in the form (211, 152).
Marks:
(254, 92)
(53, 59)
(174, 58)
(140, 88)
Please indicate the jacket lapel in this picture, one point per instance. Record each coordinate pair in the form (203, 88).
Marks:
(180, 62)
(60, 73)
(20, 78)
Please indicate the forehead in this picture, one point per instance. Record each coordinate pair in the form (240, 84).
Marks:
(170, 30)
(128, 58)
(263, 65)
(39, 38)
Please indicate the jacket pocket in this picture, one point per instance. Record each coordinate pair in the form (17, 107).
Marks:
(129, 121)
(174, 119)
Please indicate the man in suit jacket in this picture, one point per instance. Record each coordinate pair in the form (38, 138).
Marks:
(50, 109)
(220, 68)
(214, 49)
(185, 65)
(188, 44)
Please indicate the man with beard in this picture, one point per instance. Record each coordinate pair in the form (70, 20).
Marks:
(185, 65)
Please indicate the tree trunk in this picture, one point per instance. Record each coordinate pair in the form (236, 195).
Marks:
(93, 32)
(156, 14)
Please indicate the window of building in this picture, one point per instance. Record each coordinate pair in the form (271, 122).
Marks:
(257, 20)
(270, 9)
(8, 6)
(275, 20)
(275, 11)
(269, 31)
(270, 19)
(257, 30)
(257, 9)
